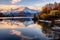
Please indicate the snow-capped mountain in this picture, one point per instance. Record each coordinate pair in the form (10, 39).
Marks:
(27, 10)
(21, 12)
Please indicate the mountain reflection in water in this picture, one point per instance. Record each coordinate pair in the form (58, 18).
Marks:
(17, 30)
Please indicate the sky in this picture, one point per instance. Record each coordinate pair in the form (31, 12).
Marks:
(28, 3)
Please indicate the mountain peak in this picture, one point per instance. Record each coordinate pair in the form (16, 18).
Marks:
(30, 10)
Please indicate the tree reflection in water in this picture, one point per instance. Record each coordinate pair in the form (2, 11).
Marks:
(47, 29)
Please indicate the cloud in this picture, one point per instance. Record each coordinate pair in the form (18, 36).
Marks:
(36, 6)
(44, 0)
(15, 1)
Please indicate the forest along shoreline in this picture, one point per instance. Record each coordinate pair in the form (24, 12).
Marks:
(49, 18)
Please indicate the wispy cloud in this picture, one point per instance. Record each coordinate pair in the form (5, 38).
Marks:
(37, 5)
(44, 0)
(15, 1)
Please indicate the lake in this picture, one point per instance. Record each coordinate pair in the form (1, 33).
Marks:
(21, 29)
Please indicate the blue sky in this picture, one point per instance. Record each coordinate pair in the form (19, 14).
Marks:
(27, 2)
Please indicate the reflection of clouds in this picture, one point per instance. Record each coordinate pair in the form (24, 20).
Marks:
(33, 29)
(18, 33)
(17, 24)
(11, 24)
(35, 25)
(36, 29)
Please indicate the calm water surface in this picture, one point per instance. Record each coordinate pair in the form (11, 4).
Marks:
(21, 30)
